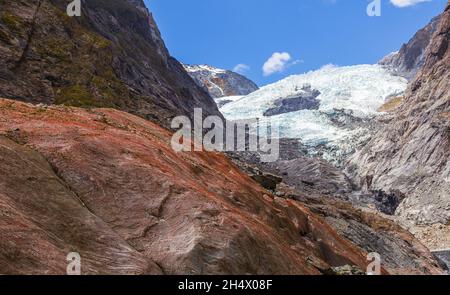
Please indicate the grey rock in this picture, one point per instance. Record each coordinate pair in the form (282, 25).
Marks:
(326, 191)
(408, 61)
(378, 200)
(267, 181)
(220, 83)
(411, 154)
(305, 100)
(444, 257)
(347, 270)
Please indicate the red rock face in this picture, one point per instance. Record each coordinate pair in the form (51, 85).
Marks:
(42, 220)
(107, 184)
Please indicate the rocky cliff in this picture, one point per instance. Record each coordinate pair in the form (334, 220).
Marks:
(327, 191)
(411, 154)
(220, 83)
(111, 56)
(107, 184)
(408, 61)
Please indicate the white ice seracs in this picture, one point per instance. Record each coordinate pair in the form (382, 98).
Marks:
(361, 89)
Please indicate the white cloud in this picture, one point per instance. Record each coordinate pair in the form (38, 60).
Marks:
(406, 3)
(241, 68)
(277, 63)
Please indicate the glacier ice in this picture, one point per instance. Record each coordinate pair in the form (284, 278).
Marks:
(360, 90)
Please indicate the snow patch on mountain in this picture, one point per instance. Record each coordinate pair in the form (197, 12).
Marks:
(198, 68)
(219, 82)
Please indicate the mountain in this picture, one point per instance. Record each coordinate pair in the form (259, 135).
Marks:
(220, 83)
(330, 109)
(80, 172)
(111, 56)
(411, 153)
(408, 61)
(108, 185)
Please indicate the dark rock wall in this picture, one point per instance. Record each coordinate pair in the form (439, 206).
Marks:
(408, 61)
(111, 56)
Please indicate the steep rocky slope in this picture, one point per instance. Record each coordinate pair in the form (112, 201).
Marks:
(111, 56)
(107, 184)
(220, 83)
(411, 154)
(327, 191)
(408, 61)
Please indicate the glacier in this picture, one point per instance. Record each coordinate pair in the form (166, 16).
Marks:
(355, 92)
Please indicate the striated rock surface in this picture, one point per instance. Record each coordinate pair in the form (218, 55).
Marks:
(411, 154)
(108, 185)
(444, 257)
(111, 56)
(42, 220)
(328, 192)
(220, 83)
(408, 61)
(400, 251)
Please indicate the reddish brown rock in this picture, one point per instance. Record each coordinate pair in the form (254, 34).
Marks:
(108, 185)
(42, 221)
(115, 191)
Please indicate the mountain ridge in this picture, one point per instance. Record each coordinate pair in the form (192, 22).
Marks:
(102, 59)
(87, 163)
(409, 59)
(221, 83)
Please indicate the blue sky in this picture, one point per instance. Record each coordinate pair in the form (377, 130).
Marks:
(307, 33)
